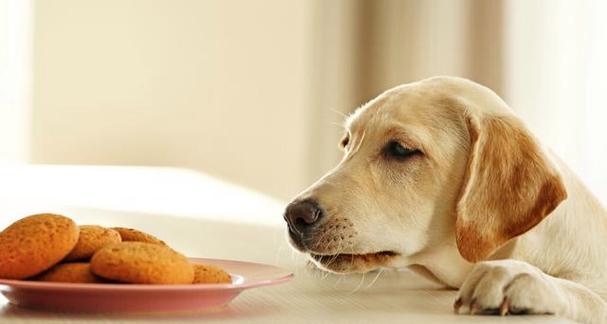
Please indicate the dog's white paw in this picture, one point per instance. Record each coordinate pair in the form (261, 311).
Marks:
(504, 287)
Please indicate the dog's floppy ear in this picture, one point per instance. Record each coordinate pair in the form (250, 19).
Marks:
(510, 185)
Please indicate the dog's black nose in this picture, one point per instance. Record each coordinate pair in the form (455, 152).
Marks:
(301, 214)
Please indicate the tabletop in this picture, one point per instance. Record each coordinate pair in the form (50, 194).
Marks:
(205, 217)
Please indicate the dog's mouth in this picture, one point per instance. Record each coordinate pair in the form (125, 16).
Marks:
(345, 262)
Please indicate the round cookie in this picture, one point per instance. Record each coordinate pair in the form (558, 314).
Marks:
(92, 238)
(143, 263)
(208, 273)
(133, 235)
(75, 272)
(35, 243)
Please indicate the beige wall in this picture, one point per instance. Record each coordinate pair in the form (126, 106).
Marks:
(411, 40)
(219, 86)
(250, 91)
(545, 72)
(15, 79)
(254, 91)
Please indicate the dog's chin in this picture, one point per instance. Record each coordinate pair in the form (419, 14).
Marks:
(346, 262)
(353, 263)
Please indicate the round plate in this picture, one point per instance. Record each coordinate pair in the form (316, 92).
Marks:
(143, 298)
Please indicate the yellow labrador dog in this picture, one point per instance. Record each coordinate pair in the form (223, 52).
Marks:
(441, 176)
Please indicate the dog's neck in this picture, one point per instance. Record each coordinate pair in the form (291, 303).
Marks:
(444, 262)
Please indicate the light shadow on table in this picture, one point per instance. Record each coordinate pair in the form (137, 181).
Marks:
(8, 311)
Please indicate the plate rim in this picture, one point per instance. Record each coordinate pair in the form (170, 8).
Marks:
(40, 285)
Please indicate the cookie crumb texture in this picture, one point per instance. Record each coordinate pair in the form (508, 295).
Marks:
(92, 238)
(74, 272)
(35, 243)
(142, 263)
(133, 235)
(206, 273)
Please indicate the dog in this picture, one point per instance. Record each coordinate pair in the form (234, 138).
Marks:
(441, 176)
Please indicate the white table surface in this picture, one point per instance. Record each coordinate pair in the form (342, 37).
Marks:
(204, 217)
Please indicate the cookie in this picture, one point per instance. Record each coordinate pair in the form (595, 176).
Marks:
(35, 243)
(142, 263)
(208, 273)
(75, 272)
(92, 238)
(133, 235)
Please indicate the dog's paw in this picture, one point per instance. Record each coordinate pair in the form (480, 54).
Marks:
(508, 287)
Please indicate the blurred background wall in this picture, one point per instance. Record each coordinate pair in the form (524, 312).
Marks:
(219, 86)
(254, 91)
(15, 80)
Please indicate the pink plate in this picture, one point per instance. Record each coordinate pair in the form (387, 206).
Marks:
(143, 298)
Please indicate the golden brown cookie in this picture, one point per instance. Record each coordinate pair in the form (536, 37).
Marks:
(92, 238)
(144, 263)
(208, 273)
(133, 235)
(35, 243)
(75, 272)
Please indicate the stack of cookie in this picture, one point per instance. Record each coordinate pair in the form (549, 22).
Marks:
(49, 247)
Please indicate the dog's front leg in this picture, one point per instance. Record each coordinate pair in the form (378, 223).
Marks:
(514, 287)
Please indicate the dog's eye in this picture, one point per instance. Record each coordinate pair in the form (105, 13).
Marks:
(396, 150)
(344, 141)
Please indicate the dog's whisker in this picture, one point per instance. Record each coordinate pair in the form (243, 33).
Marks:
(326, 275)
(336, 255)
(352, 255)
(278, 253)
(341, 113)
(339, 279)
(324, 235)
(362, 280)
(381, 270)
(293, 255)
(341, 126)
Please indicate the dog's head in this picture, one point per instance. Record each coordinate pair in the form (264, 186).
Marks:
(441, 161)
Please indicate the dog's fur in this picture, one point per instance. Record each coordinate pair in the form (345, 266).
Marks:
(483, 207)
